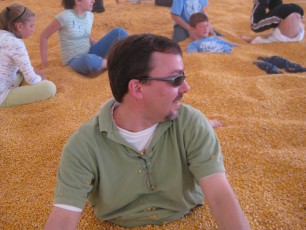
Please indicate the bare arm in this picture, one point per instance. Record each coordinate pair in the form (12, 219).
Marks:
(211, 30)
(92, 41)
(180, 21)
(258, 39)
(215, 123)
(40, 73)
(247, 38)
(62, 219)
(51, 29)
(223, 203)
(183, 24)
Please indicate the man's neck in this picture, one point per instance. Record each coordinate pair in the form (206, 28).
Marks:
(130, 119)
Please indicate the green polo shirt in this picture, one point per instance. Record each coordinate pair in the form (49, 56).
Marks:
(131, 189)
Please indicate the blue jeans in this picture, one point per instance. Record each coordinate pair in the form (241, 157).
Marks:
(92, 62)
(179, 33)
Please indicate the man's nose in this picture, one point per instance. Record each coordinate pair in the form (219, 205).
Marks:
(184, 88)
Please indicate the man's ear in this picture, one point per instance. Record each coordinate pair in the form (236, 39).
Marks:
(135, 88)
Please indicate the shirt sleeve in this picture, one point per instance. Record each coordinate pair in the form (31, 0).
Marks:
(177, 7)
(61, 18)
(69, 207)
(204, 3)
(223, 42)
(22, 60)
(192, 47)
(75, 176)
(260, 39)
(202, 147)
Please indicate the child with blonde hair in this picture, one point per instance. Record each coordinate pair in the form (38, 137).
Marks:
(17, 23)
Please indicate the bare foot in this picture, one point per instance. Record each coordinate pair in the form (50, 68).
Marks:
(246, 38)
(215, 123)
(104, 65)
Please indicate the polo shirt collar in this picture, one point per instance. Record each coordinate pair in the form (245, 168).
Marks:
(107, 125)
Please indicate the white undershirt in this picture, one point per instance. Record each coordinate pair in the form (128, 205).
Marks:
(140, 140)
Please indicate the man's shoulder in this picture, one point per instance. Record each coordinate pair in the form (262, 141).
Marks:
(87, 129)
(190, 120)
(187, 112)
(100, 121)
(188, 108)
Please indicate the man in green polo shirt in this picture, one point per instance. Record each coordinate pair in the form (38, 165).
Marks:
(145, 158)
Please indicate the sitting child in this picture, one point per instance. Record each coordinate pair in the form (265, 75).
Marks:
(78, 49)
(17, 23)
(200, 27)
(181, 11)
(285, 19)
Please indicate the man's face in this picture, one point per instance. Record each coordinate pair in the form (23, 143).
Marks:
(201, 30)
(163, 98)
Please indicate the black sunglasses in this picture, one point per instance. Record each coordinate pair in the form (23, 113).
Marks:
(175, 81)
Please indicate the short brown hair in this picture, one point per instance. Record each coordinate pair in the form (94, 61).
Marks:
(131, 57)
(197, 18)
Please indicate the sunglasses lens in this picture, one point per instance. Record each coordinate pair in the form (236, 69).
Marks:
(178, 80)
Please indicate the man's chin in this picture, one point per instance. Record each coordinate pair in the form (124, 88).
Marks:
(172, 115)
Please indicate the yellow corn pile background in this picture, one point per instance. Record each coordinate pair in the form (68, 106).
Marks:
(264, 117)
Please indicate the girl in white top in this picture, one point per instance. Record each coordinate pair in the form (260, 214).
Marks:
(17, 23)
